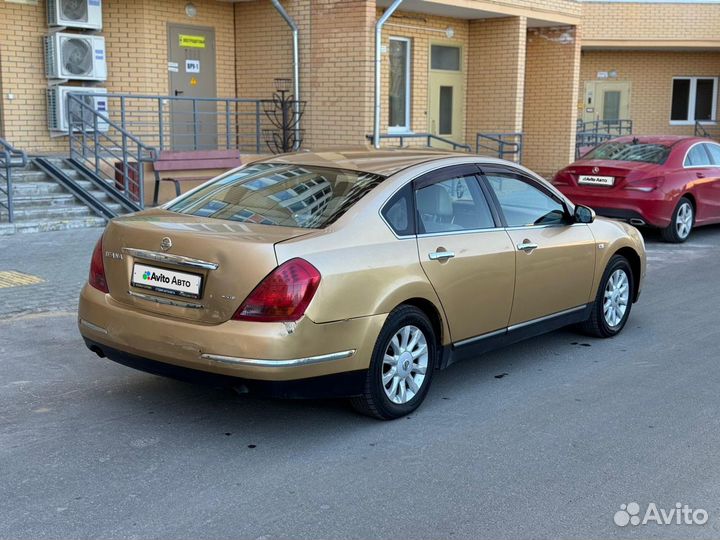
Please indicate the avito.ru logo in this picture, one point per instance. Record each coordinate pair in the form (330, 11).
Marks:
(629, 514)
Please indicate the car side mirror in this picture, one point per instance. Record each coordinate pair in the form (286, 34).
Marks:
(583, 214)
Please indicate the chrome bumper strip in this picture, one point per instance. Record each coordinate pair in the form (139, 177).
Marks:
(93, 327)
(167, 258)
(293, 362)
(165, 301)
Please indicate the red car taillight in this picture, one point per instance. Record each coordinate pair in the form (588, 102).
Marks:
(97, 269)
(645, 185)
(561, 178)
(283, 296)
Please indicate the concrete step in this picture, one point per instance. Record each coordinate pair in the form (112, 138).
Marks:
(48, 212)
(31, 189)
(44, 200)
(44, 225)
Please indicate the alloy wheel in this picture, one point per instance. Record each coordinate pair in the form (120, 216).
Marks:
(684, 220)
(617, 296)
(405, 364)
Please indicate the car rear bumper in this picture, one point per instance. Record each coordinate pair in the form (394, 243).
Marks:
(651, 208)
(236, 349)
(345, 384)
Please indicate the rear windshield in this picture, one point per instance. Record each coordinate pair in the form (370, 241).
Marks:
(279, 194)
(627, 151)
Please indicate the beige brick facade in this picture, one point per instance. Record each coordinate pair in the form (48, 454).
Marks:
(651, 74)
(136, 40)
(551, 88)
(496, 76)
(522, 69)
(627, 21)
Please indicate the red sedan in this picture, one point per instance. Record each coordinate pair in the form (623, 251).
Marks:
(672, 183)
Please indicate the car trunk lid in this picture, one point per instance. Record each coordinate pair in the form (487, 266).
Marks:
(156, 262)
(620, 171)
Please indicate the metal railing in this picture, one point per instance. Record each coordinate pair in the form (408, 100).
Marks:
(107, 149)
(614, 127)
(584, 142)
(428, 138)
(133, 129)
(10, 158)
(179, 123)
(703, 130)
(503, 145)
(595, 132)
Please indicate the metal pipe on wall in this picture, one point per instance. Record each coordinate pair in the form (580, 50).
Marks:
(296, 61)
(378, 65)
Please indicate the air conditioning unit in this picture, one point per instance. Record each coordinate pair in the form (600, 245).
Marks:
(75, 57)
(57, 102)
(75, 13)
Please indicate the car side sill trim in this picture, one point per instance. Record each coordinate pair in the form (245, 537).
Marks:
(546, 318)
(293, 362)
(167, 258)
(473, 347)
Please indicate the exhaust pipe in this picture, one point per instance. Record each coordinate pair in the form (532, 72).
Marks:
(637, 222)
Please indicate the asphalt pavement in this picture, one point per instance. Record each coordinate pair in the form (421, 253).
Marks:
(545, 439)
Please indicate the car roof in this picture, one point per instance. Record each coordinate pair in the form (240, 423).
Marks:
(665, 140)
(384, 162)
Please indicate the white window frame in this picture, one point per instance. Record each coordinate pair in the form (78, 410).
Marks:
(691, 102)
(407, 128)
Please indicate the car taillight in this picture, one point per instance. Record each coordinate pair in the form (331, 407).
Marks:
(645, 185)
(561, 179)
(283, 296)
(97, 269)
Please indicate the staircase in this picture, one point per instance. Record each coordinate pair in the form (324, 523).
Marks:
(42, 204)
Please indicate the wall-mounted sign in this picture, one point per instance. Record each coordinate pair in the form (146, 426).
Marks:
(173, 66)
(192, 66)
(602, 74)
(192, 42)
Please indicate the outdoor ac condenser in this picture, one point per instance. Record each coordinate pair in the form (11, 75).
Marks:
(75, 13)
(75, 57)
(57, 102)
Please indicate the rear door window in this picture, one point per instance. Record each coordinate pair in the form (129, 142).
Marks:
(697, 157)
(279, 194)
(454, 204)
(714, 151)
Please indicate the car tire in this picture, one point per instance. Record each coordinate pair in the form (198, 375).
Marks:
(612, 303)
(681, 224)
(389, 394)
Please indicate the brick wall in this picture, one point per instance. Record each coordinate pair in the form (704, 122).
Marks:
(496, 76)
(651, 74)
(637, 21)
(551, 93)
(136, 40)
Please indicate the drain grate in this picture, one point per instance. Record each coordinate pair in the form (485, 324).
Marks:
(10, 278)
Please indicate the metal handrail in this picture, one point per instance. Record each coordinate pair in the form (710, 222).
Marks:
(429, 137)
(94, 148)
(702, 131)
(11, 158)
(504, 144)
(587, 140)
(621, 126)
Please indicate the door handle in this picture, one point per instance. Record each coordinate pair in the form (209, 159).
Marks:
(699, 175)
(527, 246)
(441, 255)
(179, 92)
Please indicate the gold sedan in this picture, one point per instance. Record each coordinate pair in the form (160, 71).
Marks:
(354, 274)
